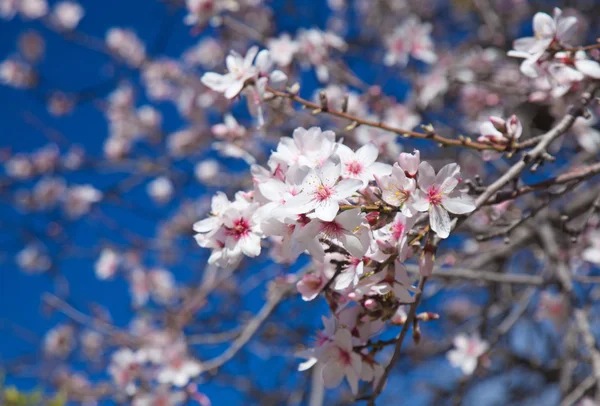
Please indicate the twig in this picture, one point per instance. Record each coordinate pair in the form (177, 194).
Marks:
(398, 347)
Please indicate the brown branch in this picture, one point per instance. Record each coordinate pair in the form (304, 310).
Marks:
(398, 347)
(356, 121)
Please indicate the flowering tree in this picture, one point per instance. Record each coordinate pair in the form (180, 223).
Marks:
(242, 207)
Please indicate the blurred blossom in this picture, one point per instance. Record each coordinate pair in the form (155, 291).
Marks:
(79, 200)
(32, 259)
(208, 53)
(32, 46)
(207, 170)
(16, 74)
(283, 49)
(107, 264)
(161, 189)
(67, 15)
(126, 45)
(60, 341)
(467, 352)
(200, 11)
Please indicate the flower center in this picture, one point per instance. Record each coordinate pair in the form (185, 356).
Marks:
(331, 228)
(434, 195)
(240, 229)
(355, 168)
(345, 357)
(397, 230)
(323, 193)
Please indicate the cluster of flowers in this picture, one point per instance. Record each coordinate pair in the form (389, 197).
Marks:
(548, 57)
(353, 216)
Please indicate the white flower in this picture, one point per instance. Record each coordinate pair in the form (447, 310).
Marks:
(79, 200)
(200, 11)
(206, 171)
(239, 68)
(394, 235)
(126, 45)
(337, 359)
(397, 189)
(547, 31)
(107, 264)
(282, 49)
(229, 129)
(161, 189)
(67, 14)
(345, 230)
(394, 280)
(124, 368)
(361, 164)
(33, 9)
(322, 192)
(410, 162)
(310, 148)
(33, 259)
(467, 352)
(314, 46)
(592, 252)
(437, 195)
(411, 38)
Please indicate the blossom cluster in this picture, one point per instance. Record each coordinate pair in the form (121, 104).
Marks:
(353, 216)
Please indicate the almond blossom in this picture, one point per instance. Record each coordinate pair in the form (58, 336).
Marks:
(361, 164)
(397, 189)
(200, 11)
(338, 360)
(437, 195)
(467, 353)
(240, 70)
(411, 38)
(345, 229)
(322, 192)
(67, 15)
(548, 31)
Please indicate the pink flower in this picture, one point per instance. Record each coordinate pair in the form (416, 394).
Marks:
(410, 163)
(437, 195)
(397, 189)
(467, 352)
(345, 229)
(337, 359)
(411, 38)
(313, 283)
(499, 131)
(394, 236)
(361, 164)
(322, 192)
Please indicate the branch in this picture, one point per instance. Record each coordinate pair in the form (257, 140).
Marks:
(536, 153)
(409, 321)
(356, 121)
